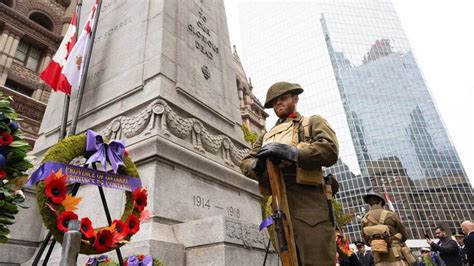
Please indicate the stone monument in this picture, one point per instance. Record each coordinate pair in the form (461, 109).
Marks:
(162, 79)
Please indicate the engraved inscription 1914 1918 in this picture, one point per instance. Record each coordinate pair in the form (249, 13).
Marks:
(207, 204)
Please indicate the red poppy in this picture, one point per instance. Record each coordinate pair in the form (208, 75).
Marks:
(3, 174)
(140, 199)
(104, 240)
(63, 220)
(6, 139)
(86, 227)
(133, 224)
(55, 187)
(121, 229)
(292, 115)
(140, 257)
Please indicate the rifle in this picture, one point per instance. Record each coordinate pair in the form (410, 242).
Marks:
(285, 239)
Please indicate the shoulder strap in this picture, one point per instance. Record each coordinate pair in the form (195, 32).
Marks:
(364, 218)
(383, 216)
(370, 218)
(303, 123)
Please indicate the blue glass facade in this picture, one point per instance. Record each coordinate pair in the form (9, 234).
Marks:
(358, 71)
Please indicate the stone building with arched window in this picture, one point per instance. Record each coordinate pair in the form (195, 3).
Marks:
(30, 33)
(251, 109)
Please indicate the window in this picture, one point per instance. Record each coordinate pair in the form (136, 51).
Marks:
(29, 55)
(18, 87)
(43, 20)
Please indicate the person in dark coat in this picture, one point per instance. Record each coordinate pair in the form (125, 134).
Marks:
(459, 236)
(350, 261)
(468, 230)
(448, 249)
(365, 256)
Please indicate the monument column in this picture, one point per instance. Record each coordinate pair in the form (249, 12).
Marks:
(162, 79)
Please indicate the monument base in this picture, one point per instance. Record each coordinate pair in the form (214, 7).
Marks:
(217, 240)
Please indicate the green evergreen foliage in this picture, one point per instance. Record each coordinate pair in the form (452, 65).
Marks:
(342, 218)
(249, 136)
(266, 204)
(13, 165)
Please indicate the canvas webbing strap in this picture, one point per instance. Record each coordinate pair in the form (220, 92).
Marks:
(382, 216)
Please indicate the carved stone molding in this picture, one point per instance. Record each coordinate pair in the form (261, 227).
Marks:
(25, 106)
(160, 114)
(13, 31)
(25, 73)
(247, 233)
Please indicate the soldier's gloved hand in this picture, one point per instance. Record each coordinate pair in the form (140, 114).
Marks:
(258, 166)
(278, 151)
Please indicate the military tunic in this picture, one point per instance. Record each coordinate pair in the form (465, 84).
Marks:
(313, 230)
(398, 235)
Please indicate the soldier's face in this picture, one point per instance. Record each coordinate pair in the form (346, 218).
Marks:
(284, 105)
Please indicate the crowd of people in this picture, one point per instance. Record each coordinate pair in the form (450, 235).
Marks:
(455, 250)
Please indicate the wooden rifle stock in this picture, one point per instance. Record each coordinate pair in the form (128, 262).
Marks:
(281, 215)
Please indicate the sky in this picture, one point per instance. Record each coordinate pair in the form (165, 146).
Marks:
(440, 34)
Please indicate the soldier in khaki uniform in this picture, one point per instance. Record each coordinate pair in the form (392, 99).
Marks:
(303, 145)
(397, 234)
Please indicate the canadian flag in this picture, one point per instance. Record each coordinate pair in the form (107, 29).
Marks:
(64, 71)
(52, 74)
(75, 62)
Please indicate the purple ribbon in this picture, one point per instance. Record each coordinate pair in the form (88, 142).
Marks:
(92, 261)
(147, 260)
(84, 175)
(132, 261)
(266, 223)
(103, 258)
(102, 152)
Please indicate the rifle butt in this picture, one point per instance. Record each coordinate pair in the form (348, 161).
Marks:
(284, 230)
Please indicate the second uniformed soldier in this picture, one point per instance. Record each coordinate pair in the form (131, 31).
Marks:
(383, 227)
(304, 145)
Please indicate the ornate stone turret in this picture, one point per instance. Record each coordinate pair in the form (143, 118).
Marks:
(253, 113)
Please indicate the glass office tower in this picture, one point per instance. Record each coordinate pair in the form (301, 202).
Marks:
(358, 71)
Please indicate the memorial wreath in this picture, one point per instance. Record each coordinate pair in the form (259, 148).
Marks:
(57, 206)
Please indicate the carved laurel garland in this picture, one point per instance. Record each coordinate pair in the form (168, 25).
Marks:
(171, 123)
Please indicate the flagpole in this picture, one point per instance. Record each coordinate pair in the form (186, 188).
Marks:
(62, 135)
(83, 81)
(390, 204)
(67, 97)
